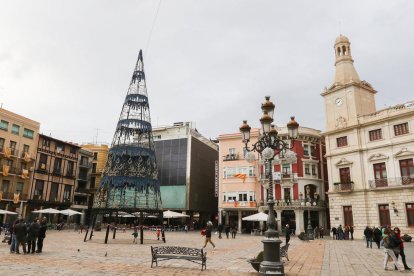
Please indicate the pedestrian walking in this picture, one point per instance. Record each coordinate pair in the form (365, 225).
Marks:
(368, 236)
(400, 250)
(135, 235)
(32, 236)
(158, 233)
(233, 232)
(287, 233)
(389, 246)
(334, 233)
(340, 232)
(227, 230)
(209, 229)
(13, 237)
(220, 229)
(351, 231)
(186, 228)
(321, 232)
(42, 235)
(21, 232)
(316, 232)
(377, 236)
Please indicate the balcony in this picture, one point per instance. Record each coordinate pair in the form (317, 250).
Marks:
(231, 157)
(70, 175)
(295, 204)
(10, 196)
(57, 172)
(343, 186)
(85, 164)
(391, 182)
(239, 204)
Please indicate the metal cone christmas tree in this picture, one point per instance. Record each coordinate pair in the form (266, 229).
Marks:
(130, 178)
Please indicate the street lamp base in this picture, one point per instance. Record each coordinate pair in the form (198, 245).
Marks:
(271, 264)
(271, 268)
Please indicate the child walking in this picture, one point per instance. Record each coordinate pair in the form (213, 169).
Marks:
(135, 234)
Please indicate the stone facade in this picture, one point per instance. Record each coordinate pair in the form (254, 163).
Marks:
(18, 143)
(243, 185)
(369, 153)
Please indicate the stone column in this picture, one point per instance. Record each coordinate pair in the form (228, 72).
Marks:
(299, 222)
(279, 220)
(82, 220)
(239, 218)
(322, 221)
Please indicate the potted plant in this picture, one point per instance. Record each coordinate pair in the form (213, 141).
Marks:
(255, 262)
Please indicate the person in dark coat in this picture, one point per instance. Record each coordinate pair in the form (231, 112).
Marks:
(368, 236)
(20, 232)
(227, 230)
(334, 233)
(377, 237)
(220, 229)
(33, 234)
(41, 236)
(287, 233)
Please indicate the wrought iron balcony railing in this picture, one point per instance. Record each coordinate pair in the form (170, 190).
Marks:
(391, 182)
(230, 157)
(343, 186)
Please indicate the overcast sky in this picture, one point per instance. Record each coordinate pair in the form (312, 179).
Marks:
(68, 64)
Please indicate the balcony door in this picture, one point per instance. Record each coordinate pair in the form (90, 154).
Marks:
(384, 214)
(380, 174)
(407, 171)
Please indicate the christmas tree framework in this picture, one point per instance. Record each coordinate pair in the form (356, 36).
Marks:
(130, 179)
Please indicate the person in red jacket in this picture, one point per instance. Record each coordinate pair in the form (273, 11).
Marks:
(398, 234)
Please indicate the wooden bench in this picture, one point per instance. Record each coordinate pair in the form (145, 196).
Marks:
(163, 253)
(284, 251)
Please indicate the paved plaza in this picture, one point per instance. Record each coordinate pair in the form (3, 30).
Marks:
(65, 253)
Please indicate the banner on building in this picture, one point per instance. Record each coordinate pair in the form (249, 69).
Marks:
(16, 198)
(216, 178)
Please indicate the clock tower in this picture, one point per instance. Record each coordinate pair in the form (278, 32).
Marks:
(348, 97)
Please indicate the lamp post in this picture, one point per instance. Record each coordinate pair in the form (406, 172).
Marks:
(309, 229)
(269, 145)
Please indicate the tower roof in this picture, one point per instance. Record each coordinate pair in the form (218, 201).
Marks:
(341, 38)
(345, 71)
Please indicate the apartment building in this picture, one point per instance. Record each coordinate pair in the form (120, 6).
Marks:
(18, 142)
(55, 170)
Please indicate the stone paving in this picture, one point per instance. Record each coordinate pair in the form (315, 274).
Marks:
(65, 253)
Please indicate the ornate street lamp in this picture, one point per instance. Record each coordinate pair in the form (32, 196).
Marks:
(269, 146)
(309, 229)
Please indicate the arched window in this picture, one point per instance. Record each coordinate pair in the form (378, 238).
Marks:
(344, 50)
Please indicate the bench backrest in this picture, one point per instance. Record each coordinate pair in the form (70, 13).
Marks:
(176, 250)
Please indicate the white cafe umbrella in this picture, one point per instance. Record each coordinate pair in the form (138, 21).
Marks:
(4, 212)
(70, 212)
(171, 214)
(128, 216)
(256, 217)
(47, 211)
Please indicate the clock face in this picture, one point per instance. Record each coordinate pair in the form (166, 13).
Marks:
(339, 102)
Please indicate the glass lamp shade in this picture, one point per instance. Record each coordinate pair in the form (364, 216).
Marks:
(273, 133)
(266, 120)
(245, 131)
(308, 204)
(268, 153)
(250, 157)
(293, 127)
(290, 157)
(268, 106)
